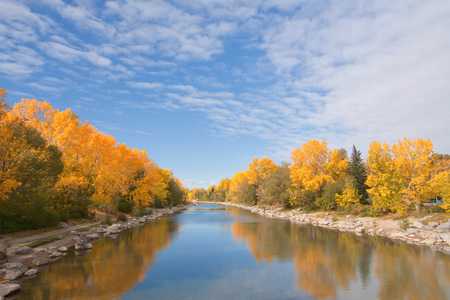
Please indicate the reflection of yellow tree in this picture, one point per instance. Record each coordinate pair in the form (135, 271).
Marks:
(110, 270)
(407, 272)
(325, 261)
(266, 241)
(328, 261)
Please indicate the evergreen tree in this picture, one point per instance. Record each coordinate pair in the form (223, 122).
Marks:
(359, 172)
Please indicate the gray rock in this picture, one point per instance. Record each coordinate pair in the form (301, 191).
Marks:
(62, 249)
(52, 249)
(7, 289)
(83, 245)
(360, 229)
(31, 272)
(64, 225)
(13, 265)
(60, 236)
(12, 274)
(56, 254)
(23, 250)
(93, 236)
(77, 233)
(412, 230)
(2, 273)
(443, 227)
(40, 261)
(432, 224)
(417, 224)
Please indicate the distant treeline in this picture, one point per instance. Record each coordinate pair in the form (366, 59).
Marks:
(54, 168)
(393, 179)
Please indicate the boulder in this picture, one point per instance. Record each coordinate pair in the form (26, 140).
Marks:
(418, 224)
(411, 230)
(2, 273)
(432, 225)
(23, 250)
(62, 249)
(360, 229)
(444, 227)
(64, 225)
(52, 249)
(31, 272)
(13, 265)
(93, 236)
(76, 233)
(40, 261)
(60, 236)
(56, 254)
(83, 245)
(12, 274)
(7, 289)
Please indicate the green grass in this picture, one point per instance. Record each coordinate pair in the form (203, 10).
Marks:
(43, 241)
(83, 229)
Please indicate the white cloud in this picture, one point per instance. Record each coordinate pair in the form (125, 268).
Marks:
(145, 85)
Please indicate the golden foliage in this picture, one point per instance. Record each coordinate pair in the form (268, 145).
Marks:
(400, 176)
(314, 164)
(349, 195)
(259, 169)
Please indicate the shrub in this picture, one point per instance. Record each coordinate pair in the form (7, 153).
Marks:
(122, 217)
(107, 220)
(435, 209)
(124, 207)
(371, 211)
(404, 224)
(141, 211)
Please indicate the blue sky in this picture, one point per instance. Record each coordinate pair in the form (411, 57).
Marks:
(206, 85)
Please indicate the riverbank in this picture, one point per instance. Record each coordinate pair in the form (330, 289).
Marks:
(419, 232)
(24, 261)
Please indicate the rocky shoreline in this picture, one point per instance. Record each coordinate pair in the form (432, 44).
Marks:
(24, 262)
(433, 234)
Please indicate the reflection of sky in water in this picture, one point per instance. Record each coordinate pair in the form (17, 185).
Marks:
(216, 252)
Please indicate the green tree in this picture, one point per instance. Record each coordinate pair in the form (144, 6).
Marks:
(275, 188)
(358, 170)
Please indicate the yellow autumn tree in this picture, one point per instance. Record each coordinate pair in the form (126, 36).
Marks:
(400, 176)
(259, 169)
(314, 164)
(237, 180)
(349, 195)
(441, 187)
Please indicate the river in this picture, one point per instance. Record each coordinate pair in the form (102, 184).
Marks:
(218, 252)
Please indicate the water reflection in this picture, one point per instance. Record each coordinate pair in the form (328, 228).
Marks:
(113, 267)
(329, 263)
(234, 254)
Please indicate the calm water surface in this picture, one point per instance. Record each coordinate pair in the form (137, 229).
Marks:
(216, 252)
